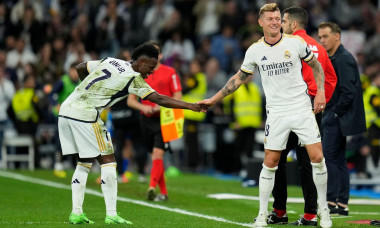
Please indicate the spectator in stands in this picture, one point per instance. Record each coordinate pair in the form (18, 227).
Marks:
(45, 67)
(59, 53)
(225, 47)
(216, 78)
(156, 17)
(30, 29)
(7, 90)
(110, 30)
(194, 89)
(372, 111)
(208, 13)
(25, 111)
(18, 10)
(178, 48)
(10, 73)
(77, 53)
(5, 25)
(19, 57)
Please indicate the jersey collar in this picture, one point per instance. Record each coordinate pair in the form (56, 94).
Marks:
(272, 45)
(299, 32)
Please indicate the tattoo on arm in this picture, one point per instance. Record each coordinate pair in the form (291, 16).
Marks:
(243, 76)
(318, 73)
(229, 87)
(234, 83)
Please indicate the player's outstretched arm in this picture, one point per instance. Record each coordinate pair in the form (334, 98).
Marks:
(173, 103)
(231, 86)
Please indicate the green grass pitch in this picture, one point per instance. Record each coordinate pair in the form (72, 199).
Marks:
(39, 199)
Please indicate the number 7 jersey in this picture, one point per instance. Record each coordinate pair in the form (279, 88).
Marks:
(109, 81)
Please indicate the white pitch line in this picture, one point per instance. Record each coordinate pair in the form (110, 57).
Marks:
(224, 196)
(124, 199)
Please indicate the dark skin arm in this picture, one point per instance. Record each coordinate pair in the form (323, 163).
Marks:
(169, 102)
(82, 70)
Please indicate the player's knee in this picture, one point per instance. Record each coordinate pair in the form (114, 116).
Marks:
(106, 159)
(318, 158)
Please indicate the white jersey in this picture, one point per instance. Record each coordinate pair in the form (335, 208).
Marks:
(109, 81)
(280, 67)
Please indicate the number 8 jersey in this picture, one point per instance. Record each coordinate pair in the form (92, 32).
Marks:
(109, 81)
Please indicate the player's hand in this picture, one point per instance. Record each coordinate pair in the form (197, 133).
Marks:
(319, 102)
(199, 108)
(206, 102)
(147, 110)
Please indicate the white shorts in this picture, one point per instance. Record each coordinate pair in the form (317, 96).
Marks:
(89, 140)
(303, 124)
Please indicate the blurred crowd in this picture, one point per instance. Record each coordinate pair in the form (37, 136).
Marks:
(41, 41)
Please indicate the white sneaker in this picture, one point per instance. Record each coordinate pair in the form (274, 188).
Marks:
(325, 220)
(261, 219)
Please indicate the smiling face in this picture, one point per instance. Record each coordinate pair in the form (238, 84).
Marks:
(146, 65)
(271, 23)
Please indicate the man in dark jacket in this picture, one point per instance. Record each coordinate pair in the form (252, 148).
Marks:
(343, 116)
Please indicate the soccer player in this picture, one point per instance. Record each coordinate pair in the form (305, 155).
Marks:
(278, 58)
(294, 22)
(165, 81)
(83, 133)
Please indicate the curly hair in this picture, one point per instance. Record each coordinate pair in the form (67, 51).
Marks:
(145, 49)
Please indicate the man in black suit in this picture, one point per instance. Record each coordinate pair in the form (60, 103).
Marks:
(343, 116)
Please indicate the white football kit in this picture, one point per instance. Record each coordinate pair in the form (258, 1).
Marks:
(80, 128)
(280, 67)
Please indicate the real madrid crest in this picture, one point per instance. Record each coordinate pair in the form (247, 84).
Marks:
(287, 54)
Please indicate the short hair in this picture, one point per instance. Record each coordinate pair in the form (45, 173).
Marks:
(270, 7)
(145, 49)
(298, 14)
(333, 26)
(156, 43)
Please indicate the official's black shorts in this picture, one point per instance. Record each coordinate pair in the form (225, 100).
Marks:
(151, 130)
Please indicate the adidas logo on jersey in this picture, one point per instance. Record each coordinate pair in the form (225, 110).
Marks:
(102, 182)
(263, 58)
(75, 181)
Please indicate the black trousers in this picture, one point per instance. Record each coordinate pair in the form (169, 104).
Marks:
(309, 190)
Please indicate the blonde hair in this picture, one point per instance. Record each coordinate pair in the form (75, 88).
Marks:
(270, 7)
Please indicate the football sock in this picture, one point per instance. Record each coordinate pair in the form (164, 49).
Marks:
(308, 216)
(161, 182)
(280, 213)
(125, 165)
(109, 187)
(78, 186)
(156, 173)
(266, 183)
(320, 181)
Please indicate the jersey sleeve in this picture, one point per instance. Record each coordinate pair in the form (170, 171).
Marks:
(304, 51)
(140, 88)
(175, 83)
(249, 64)
(91, 65)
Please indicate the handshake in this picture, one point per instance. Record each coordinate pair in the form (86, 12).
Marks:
(201, 106)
